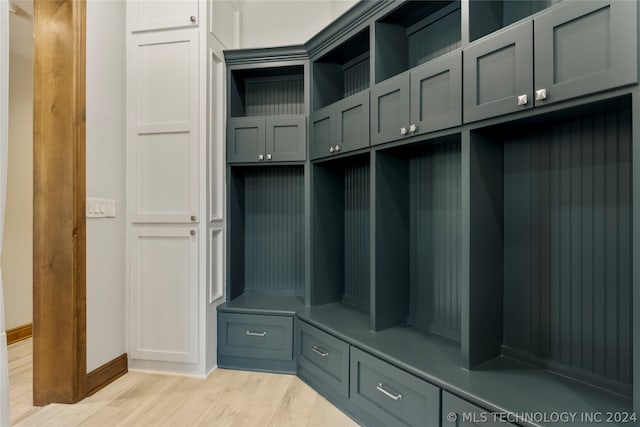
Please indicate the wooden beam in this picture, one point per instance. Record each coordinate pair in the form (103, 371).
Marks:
(59, 317)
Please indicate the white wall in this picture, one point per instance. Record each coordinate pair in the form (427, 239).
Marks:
(17, 246)
(106, 145)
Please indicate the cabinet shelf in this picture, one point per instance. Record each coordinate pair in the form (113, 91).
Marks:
(271, 91)
(342, 72)
(551, 270)
(415, 33)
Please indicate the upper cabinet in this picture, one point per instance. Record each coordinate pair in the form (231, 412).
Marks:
(340, 85)
(147, 15)
(266, 114)
(500, 75)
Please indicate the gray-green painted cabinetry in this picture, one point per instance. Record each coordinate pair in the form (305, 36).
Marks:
(340, 127)
(460, 413)
(425, 99)
(390, 395)
(265, 139)
(579, 48)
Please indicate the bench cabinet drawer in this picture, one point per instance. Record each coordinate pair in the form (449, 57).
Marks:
(255, 336)
(324, 356)
(460, 413)
(391, 395)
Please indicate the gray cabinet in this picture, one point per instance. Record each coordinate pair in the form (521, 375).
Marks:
(460, 413)
(255, 336)
(340, 127)
(425, 99)
(584, 47)
(264, 139)
(580, 48)
(390, 395)
(324, 357)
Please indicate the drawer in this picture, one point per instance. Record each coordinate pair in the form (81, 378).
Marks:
(324, 356)
(255, 336)
(391, 395)
(460, 413)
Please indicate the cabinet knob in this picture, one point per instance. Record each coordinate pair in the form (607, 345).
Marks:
(261, 157)
(413, 128)
(192, 19)
(522, 99)
(403, 131)
(194, 218)
(541, 94)
(268, 156)
(331, 149)
(337, 148)
(192, 232)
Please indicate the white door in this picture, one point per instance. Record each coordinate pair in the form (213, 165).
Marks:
(145, 15)
(163, 152)
(164, 294)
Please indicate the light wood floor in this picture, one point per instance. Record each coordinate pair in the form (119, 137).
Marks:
(226, 398)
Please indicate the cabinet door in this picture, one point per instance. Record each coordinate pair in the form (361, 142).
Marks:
(436, 94)
(352, 122)
(498, 71)
(164, 143)
(322, 132)
(245, 139)
(164, 294)
(390, 109)
(145, 15)
(585, 47)
(286, 139)
(460, 413)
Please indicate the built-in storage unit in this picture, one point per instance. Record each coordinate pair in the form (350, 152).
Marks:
(340, 202)
(465, 254)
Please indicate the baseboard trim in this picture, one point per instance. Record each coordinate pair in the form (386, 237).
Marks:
(106, 374)
(19, 333)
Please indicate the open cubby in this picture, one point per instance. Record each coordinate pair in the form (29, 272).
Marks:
(266, 231)
(551, 243)
(487, 16)
(418, 237)
(272, 91)
(342, 72)
(414, 33)
(341, 229)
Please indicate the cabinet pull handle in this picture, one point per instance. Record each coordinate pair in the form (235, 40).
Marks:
(331, 149)
(194, 218)
(255, 334)
(403, 131)
(192, 232)
(337, 148)
(413, 128)
(192, 18)
(380, 388)
(522, 99)
(541, 94)
(261, 157)
(268, 156)
(321, 352)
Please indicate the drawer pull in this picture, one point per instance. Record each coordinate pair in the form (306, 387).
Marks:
(381, 389)
(255, 334)
(321, 352)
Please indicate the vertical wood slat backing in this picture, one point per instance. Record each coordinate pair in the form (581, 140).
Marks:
(435, 39)
(434, 240)
(274, 230)
(264, 97)
(356, 236)
(567, 241)
(356, 78)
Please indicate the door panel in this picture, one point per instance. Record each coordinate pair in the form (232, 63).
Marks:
(585, 47)
(144, 15)
(390, 109)
(286, 139)
(352, 122)
(322, 132)
(245, 139)
(497, 70)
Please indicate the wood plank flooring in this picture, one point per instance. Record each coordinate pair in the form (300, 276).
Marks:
(225, 399)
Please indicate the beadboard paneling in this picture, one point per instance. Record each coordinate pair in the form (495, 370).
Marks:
(274, 96)
(434, 240)
(435, 39)
(356, 77)
(357, 235)
(274, 230)
(567, 243)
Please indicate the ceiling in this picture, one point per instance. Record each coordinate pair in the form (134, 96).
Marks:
(21, 28)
